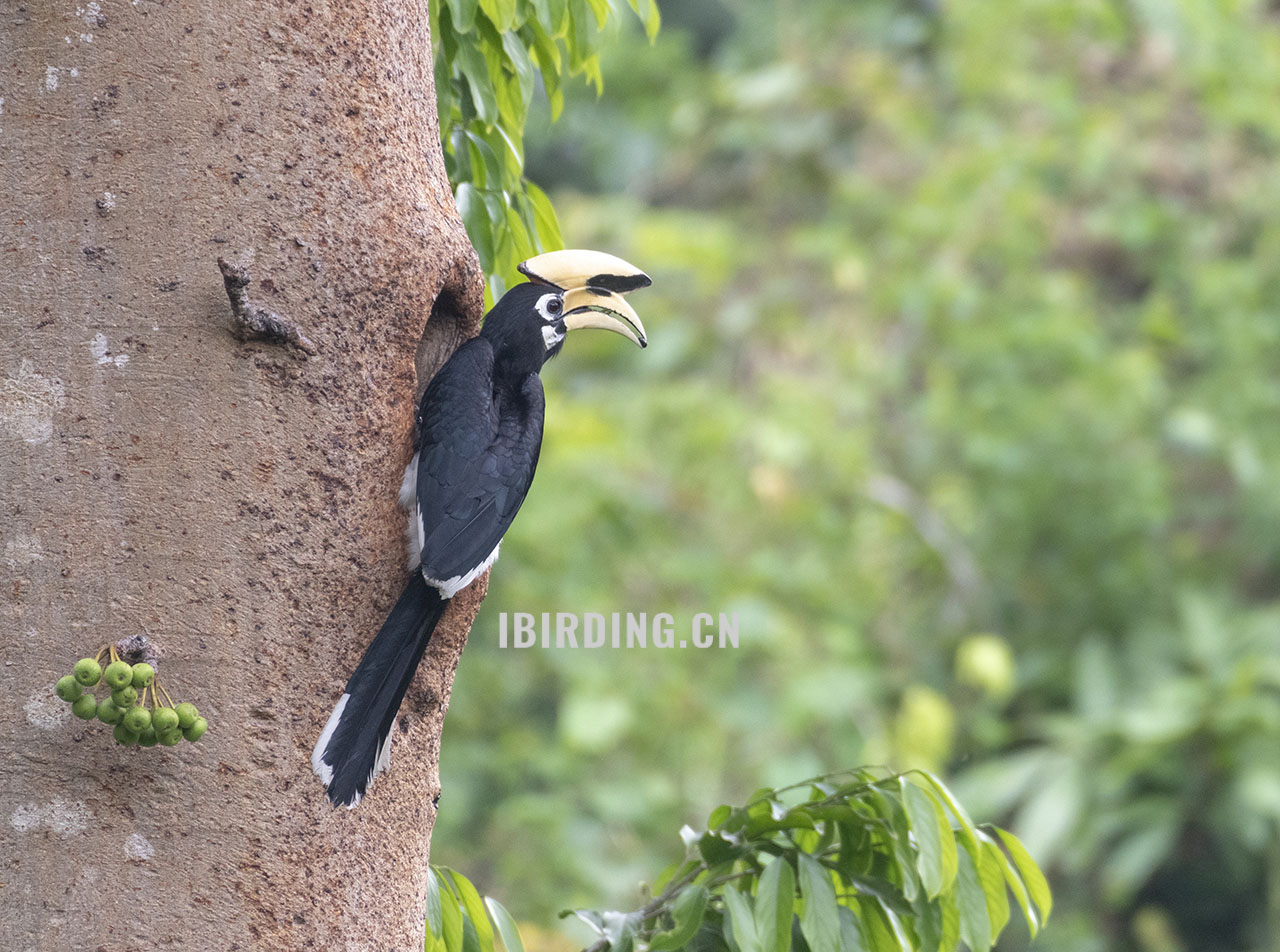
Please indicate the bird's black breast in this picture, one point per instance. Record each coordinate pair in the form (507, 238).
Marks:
(479, 439)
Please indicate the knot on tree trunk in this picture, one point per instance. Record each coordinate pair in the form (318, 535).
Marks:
(252, 322)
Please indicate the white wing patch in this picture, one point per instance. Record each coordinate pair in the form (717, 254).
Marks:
(380, 763)
(323, 770)
(409, 485)
(409, 501)
(451, 587)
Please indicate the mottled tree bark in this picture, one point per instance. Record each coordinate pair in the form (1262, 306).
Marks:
(234, 500)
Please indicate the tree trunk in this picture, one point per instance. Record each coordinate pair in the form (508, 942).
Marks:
(231, 500)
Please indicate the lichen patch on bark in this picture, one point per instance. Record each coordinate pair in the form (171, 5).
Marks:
(28, 402)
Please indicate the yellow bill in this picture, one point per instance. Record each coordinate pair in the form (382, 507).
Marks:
(593, 284)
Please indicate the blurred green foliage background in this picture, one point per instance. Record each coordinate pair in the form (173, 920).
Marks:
(964, 393)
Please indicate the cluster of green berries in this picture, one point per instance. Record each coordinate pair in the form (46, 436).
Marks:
(126, 708)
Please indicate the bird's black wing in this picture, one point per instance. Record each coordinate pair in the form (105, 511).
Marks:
(478, 448)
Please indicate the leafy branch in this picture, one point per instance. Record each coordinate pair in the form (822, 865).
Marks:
(488, 56)
(865, 859)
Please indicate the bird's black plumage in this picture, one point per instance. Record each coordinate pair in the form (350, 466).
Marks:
(477, 458)
(479, 435)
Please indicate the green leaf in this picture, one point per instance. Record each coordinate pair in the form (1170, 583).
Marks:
(949, 936)
(495, 206)
(971, 903)
(934, 840)
(508, 931)
(805, 839)
(433, 903)
(819, 920)
(850, 935)
(877, 931)
(495, 288)
(968, 832)
(855, 855)
(593, 74)
(601, 10)
(470, 939)
(546, 51)
(890, 809)
(722, 812)
(472, 65)
(512, 157)
(550, 63)
(993, 884)
(775, 905)
(647, 11)
(761, 798)
(556, 99)
(474, 908)
(1014, 882)
(475, 216)
(501, 13)
(716, 849)
(1037, 886)
(512, 105)
(900, 934)
(742, 934)
(580, 38)
(542, 15)
(687, 911)
(464, 14)
(591, 917)
(451, 931)
(620, 930)
(492, 175)
(521, 243)
(521, 64)
(511, 108)
(550, 15)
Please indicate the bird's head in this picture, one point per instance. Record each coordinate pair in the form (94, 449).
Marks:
(567, 290)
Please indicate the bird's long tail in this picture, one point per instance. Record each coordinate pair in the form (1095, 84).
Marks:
(355, 745)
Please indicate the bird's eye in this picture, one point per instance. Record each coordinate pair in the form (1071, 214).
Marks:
(550, 306)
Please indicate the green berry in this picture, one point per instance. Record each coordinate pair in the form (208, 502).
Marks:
(68, 687)
(170, 738)
(118, 674)
(88, 672)
(125, 697)
(164, 719)
(148, 737)
(123, 735)
(143, 675)
(108, 713)
(187, 714)
(137, 719)
(85, 707)
(196, 730)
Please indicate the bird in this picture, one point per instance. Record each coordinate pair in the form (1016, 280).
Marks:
(479, 427)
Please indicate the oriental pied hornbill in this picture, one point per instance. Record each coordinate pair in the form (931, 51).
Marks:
(479, 433)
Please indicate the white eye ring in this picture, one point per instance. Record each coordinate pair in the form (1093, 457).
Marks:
(550, 306)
